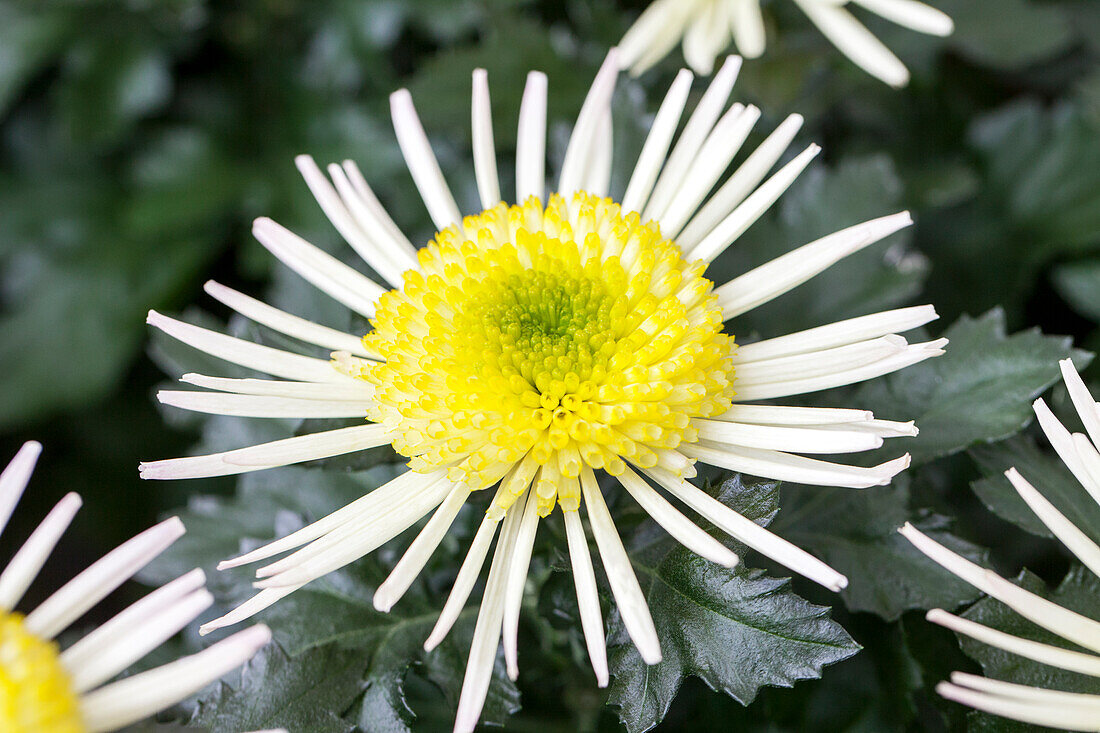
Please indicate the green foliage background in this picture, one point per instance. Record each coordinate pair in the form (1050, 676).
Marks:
(139, 139)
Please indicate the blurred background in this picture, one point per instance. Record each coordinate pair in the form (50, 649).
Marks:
(138, 140)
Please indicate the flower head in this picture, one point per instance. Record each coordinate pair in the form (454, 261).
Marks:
(46, 690)
(530, 346)
(1053, 708)
(707, 26)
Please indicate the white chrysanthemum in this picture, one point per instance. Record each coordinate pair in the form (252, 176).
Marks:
(707, 26)
(46, 690)
(1052, 708)
(529, 346)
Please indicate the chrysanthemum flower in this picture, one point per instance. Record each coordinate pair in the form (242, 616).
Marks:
(530, 346)
(707, 26)
(46, 690)
(1052, 708)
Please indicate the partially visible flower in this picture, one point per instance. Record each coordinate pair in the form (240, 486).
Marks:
(46, 690)
(707, 26)
(1052, 708)
(532, 345)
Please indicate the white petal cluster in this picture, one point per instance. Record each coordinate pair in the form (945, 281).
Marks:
(1052, 708)
(706, 27)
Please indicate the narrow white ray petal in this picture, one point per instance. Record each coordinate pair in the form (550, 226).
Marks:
(1051, 715)
(1066, 531)
(914, 15)
(351, 542)
(856, 42)
(264, 359)
(749, 532)
(1083, 402)
(797, 469)
(581, 141)
(241, 405)
(789, 439)
(335, 206)
(597, 179)
(1025, 693)
(747, 25)
(111, 633)
(485, 156)
(770, 280)
(487, 630)
(378, 248)
(14, 479)
(836, 334)
(24, 566)
(531, 139)
(283, 452)
(385, 495)
(73, 599)
(143, 638)
(126, 701)
(715, 156)
(656, 32)
(365, 527)
(1062, 442)
(620, 575)
(286, 323)
(914, 354)
(421, 161)
(328, 274)
(1090, 459)
(657, 143)
(739, 185)
(1034, 650)
(705, 37)
(249, 608)
(783, 415)
(588, 600)
(1061, 621)
(676, 524)
(420, 551)
(883, 428)
(352, 390)
(698, 127)
(516, 579)
(818, 363)
(464, 582)
(752, 208)
(403, 249)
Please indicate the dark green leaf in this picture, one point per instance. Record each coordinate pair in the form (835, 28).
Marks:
(1079, 284)
(1046, 472)
(738, 630)
(855, 531)
(1018, 33)
(308, 692)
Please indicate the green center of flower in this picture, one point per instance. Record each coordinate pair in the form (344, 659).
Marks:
(36, 694)
(546, 326)
(543, 339)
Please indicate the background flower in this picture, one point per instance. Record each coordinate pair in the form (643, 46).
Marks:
(707, 26)
(47, 690)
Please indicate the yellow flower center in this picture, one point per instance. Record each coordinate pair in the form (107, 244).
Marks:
(36, 695)
(548, 338)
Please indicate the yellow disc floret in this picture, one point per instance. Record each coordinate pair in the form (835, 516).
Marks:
(540, 339)
(36, 695)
